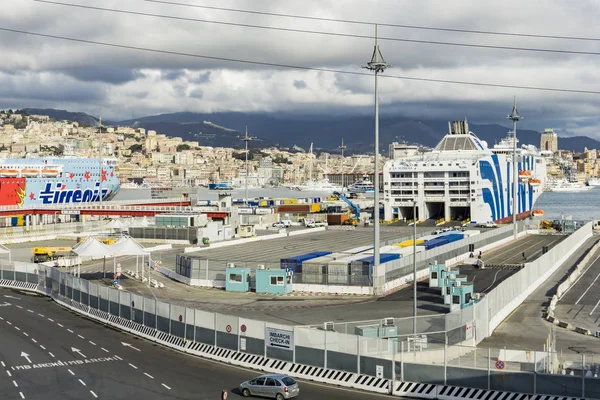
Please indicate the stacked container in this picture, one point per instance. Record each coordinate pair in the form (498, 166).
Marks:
(294, 264)
(314, 270)
(361, 270)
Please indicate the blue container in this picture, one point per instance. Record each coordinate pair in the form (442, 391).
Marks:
(295, 263)
(454, 237)
(363, 267)
(253, 203)
(430, 244)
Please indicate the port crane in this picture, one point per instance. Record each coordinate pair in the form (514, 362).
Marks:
(355, 209)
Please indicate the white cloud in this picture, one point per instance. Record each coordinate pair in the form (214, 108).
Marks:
(48, 72)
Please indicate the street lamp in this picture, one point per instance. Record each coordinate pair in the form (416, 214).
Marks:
(342, 147)
(377, 65)
(415, 271)
(514, 116)
(246, 139)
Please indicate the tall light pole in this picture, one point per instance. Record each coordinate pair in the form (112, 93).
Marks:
(342, 147)
(415, 270)
(514, 116)
(377, 65)
(246, 139)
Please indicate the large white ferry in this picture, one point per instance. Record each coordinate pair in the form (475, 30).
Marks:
(462, 178)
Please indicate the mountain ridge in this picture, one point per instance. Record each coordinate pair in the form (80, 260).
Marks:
(326, 133)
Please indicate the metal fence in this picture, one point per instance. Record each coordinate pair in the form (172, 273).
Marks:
(189, 235)
(400, 356)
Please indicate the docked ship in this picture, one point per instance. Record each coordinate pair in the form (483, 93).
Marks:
(464, 179)
(37, 181)
(363, 185)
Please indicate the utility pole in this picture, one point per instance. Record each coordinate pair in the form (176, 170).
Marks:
(246, 139)
(342, 147)
(100, 156)
(514, 116)
(377, 65)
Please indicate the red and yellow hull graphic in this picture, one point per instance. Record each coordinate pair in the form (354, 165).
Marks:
(12, 191)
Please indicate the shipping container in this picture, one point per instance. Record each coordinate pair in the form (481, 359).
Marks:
(294, 208)
(469, 233)
(454, 237)
(336, 219)
(428, 237)
(357, 250)
(431, 244)
(314, 271)
(338, 271)
(315, 207)
(244, 210)
(409, 243)
(295, 263)
(408, 251)
(361, 270)
(263, 210)
(390, 249)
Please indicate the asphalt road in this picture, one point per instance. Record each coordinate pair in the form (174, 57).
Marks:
(526, 329)
(512, 253)
(47, 352)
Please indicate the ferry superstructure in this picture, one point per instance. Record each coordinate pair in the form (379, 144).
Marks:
(36, 181)
(463, 179)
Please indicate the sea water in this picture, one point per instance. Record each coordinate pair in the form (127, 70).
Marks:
(579, 205)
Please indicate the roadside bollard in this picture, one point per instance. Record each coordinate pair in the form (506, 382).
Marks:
(224, 395)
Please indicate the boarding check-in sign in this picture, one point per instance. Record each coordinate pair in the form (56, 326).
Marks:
(279, 338)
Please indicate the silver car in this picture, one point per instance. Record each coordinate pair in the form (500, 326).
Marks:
(274, 386)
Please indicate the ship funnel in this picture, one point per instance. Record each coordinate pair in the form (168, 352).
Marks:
(460, 127)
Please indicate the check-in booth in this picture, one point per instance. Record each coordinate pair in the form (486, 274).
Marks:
(461, 295)
(435, 274)
(237, 279)
(451, 280)
(273, 281)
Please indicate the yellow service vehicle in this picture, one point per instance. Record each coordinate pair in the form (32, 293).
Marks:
(43, 254)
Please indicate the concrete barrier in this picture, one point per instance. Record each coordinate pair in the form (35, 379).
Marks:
(583, 331)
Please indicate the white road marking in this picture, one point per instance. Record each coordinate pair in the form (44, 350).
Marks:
(1, 319)
(103, 349)
(43, 348)
(15, 383)
(50, 319)
(17, 328)
(31, 311)
(93, 394)
(82, 382)
(8, 372)
(41, 315)
(33, 340)
(2, 362)
(59, 324)
(22, 395)
(166, 386)
(92, 343)
(71, 372)
(587, 290)
(118, 358)
(81, 336)
(8, 322)
(149, 376)
(25, 333)
(18, 306)
(132, 366)
(69, 330)
(51, 355)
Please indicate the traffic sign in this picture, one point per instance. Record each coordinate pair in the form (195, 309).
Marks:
(228, 328)
(499, 364)
(243, 328)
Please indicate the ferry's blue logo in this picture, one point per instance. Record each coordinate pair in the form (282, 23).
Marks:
(60, 194)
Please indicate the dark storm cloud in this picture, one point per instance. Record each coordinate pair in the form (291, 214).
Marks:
(106, 74)
(300, 84)
(201, 79)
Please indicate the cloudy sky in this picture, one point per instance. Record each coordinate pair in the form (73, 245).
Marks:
(45, 72)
